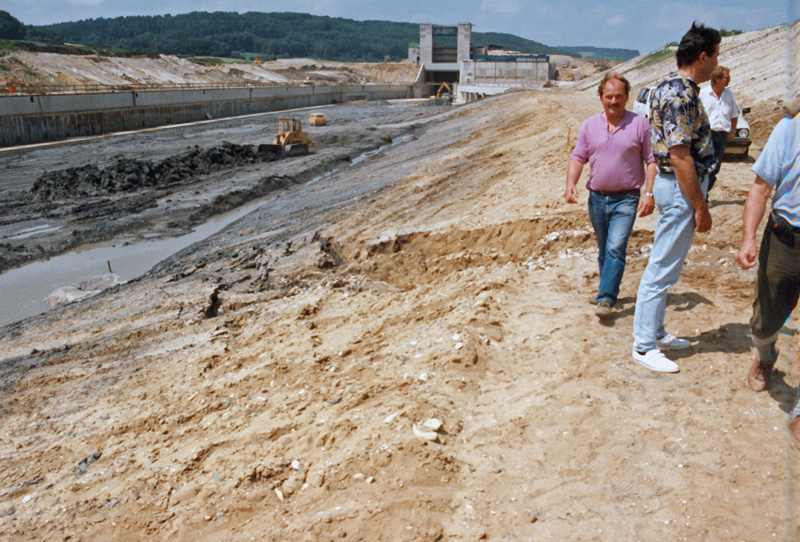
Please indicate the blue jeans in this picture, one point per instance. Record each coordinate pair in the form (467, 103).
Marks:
(673, 237)
(612, 218)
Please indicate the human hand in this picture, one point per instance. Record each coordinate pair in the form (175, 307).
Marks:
(702, 219)
(646, 206)
(571, 194)
(730, 135)
(746, 257)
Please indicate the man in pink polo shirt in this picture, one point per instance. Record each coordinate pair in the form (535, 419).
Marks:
(616, 143)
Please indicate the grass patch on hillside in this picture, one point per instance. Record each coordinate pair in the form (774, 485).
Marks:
(249, 57)
(61, 48)
(652, 58)
(11, 45)
(209, 60)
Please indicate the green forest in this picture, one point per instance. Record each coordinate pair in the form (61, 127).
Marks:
(266, 36)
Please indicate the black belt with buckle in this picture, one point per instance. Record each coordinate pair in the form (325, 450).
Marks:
(615, 192)
(783, 230)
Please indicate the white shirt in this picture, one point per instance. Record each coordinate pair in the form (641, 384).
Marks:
(720, 110)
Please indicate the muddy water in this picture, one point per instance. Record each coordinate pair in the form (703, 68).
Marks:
(23, 290)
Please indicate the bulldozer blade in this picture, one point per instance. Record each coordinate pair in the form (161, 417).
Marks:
(297, 149)
(270, 152)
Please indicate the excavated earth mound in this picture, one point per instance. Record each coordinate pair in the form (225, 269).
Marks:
(131, 175)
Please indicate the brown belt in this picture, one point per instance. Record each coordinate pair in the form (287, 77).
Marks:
(615, 192)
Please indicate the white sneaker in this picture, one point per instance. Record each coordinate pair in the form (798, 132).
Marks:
(669, 342)
(656, 361)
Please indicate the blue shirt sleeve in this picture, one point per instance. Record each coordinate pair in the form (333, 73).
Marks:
(769, 164)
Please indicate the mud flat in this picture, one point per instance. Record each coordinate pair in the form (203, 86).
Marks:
(161, 183)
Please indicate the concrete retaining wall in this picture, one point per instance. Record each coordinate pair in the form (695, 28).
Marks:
(33, 119)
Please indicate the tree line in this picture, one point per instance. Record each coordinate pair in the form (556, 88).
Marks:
(267, 36)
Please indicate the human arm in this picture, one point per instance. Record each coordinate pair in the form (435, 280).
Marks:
(573, 174)
(734, 122)
(685, 172)
(647, 203)
(734, 116)
(754, 207)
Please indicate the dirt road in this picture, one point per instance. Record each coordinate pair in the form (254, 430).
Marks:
(266, 384)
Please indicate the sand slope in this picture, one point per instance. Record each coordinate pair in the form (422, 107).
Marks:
(267, 385)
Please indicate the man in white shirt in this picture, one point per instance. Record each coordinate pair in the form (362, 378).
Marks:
(723, 113)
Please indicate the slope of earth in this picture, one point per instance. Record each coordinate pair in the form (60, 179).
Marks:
(758, 64)
(274, 381)
(51, 70)
(380, 73)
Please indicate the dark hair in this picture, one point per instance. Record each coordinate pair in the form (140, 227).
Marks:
(613, 75)
(699, 39)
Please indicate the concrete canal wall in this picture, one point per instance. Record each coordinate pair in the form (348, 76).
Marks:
(34, 119)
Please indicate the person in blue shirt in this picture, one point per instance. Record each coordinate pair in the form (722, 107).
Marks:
(778, 279)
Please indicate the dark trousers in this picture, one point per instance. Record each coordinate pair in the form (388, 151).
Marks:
(718, 140)
(777, 286)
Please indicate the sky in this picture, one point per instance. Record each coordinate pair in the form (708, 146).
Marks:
(645, 25)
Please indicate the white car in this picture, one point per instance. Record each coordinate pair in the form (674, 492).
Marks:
(738, 147)
(641, 106)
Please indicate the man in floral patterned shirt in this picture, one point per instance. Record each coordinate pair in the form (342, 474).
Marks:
(680, 135)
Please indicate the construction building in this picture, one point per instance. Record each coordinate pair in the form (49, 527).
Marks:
(446, 55)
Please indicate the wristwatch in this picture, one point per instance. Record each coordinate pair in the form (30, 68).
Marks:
(648, 194)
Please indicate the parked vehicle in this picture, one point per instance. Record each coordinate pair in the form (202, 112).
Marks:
(317, 119)
(641, 105)
(738, 147)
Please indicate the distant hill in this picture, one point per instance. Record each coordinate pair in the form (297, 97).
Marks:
(267, 36)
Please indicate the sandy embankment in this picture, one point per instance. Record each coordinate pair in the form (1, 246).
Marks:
(266, 386)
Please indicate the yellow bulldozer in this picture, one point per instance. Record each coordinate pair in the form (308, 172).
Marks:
(290, 141)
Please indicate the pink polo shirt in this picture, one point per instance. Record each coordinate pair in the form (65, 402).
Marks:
(616, 159)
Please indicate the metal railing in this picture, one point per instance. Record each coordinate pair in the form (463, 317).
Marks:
(508, 82)
(38, 90)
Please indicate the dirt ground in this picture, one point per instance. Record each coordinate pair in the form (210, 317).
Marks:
(267, 385)
(274, 382)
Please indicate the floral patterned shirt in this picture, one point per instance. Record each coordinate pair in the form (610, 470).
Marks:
(677, 117)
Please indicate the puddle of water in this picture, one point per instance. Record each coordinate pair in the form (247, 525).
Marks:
(36, 230)
(364, 156)
(23, 290)
(360, 158)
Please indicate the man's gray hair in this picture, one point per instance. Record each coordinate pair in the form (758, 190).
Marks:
(613, 75)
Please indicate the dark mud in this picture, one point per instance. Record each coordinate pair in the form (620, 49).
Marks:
(135, 175)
